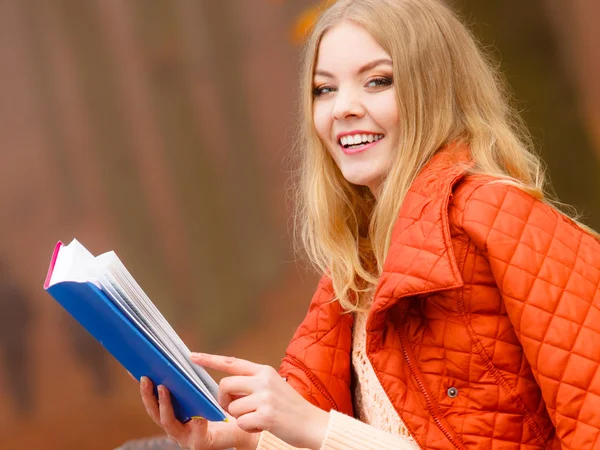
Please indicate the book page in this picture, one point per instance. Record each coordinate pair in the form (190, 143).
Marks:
(74, 263)
(137, 301)
(160, 339)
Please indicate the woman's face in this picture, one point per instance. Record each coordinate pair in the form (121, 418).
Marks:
(355, 111)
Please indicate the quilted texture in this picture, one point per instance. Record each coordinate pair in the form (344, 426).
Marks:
(485, 290)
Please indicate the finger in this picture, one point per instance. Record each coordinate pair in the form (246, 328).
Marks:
(169, 422)
(252, 423)
(149, 400)
(229, 364)
(243, 405)
(231, 388)
(216, 435)
(199, 428)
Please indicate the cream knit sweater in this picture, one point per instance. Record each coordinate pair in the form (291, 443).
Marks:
(379, 426)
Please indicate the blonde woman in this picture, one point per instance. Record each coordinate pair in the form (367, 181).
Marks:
(459, 308)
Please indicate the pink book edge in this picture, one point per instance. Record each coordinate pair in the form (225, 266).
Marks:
(52, 263)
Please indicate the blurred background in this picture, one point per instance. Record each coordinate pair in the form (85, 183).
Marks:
(160, 129)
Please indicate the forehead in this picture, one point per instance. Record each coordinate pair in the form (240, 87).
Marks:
(346, 47)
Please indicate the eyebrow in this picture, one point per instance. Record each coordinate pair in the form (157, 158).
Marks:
(365, 68)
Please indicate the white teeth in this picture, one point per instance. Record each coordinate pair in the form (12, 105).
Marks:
(359, 139)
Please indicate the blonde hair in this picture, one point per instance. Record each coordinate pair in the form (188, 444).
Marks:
(449, 92)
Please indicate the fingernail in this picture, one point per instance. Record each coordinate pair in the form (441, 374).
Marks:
(144, 381)
(197, 355)
(161, 391)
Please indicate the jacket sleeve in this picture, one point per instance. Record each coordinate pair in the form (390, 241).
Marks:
(547, 269)
(346, 433)
(318, 341)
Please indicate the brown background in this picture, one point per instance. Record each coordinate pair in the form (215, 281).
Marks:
(160, 129)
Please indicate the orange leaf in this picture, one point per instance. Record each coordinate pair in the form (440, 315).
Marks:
(305, 23)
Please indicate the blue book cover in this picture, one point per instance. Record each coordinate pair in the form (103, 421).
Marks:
(131, 345)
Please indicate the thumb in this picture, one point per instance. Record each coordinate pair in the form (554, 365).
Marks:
(200, 431)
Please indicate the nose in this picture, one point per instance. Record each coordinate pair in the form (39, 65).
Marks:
(347, 104)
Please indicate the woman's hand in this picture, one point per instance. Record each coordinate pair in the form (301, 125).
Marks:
(261, 400)
(197, 434)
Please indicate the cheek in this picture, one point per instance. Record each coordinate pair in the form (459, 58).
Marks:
(384, 111)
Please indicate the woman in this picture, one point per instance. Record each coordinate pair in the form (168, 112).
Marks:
(459, 308)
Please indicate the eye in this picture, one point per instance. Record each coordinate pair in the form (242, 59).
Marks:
(321, 90)
(379, 82)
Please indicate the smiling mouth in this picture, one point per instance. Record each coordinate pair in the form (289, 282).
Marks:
(358, 141)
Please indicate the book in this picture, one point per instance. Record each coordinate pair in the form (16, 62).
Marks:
(101, 294)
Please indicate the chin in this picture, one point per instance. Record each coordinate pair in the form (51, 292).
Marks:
(359, 179)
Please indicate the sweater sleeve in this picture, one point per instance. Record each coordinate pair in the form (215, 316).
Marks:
(346, 433)
(548, 272)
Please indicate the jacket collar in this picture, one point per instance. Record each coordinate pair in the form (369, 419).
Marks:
(421, 257)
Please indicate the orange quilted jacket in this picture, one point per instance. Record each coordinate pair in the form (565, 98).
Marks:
(485, 326)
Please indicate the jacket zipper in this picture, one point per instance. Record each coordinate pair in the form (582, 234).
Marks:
(315, 381)
(421, 384)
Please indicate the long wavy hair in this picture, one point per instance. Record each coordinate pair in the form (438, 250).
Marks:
(447, 91)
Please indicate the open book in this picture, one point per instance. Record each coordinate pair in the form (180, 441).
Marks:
(104, 298)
